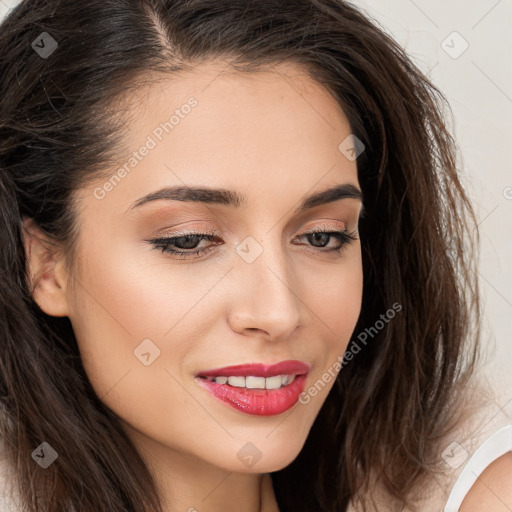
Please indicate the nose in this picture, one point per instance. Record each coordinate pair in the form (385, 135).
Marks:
(266, 295)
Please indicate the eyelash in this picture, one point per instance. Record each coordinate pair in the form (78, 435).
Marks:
(344, 236)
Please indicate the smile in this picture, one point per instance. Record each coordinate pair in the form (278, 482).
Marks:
(253, 382)
(256, 388)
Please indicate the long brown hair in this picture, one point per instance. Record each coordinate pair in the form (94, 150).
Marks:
(392, 403)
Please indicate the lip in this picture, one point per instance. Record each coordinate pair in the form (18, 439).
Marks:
(259, 370)
(259, 402)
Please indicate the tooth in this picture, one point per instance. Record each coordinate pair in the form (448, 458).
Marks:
(291, 378)
(238, 382)
(284, 380)
(221, 380)
(255, 382)
(273, 382)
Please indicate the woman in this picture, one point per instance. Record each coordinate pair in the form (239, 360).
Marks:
(233, 261)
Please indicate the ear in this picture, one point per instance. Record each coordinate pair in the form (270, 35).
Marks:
(48, 276)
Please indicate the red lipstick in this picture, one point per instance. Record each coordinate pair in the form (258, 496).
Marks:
(256, 388)
(259, 370)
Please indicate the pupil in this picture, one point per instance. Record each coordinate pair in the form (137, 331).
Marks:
(189, 242)
(316, 236)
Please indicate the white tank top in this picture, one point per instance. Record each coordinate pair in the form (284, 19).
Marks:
(497, 445)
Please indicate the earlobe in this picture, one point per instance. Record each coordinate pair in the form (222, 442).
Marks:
(48, 278)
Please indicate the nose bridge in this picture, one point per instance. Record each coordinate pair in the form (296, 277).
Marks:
(267, 295)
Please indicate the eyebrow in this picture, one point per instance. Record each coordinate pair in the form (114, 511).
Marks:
(235, 199)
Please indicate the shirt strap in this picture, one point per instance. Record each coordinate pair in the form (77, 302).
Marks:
(494, 447)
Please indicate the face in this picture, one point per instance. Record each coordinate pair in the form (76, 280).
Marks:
(251, 284)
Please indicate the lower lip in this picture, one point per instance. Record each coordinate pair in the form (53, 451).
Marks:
(260, 402)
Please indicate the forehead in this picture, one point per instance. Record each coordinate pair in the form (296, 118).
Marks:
(275, 100)
(267, 134)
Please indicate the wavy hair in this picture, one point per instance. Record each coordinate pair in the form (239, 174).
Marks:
(61, 126)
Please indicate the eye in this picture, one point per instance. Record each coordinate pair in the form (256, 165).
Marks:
(186, 245)
(323, 237)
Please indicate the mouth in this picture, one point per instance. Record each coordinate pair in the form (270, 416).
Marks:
(252, 381)
(257, 388)
(257, 375)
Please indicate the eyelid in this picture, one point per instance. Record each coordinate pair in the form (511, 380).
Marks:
(214, 233)
(209, 230)
(325, 227)
(191, 232)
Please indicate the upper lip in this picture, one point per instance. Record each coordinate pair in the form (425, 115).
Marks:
(290, 367)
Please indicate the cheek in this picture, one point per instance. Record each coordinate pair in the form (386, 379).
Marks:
(122, 308)
(120, 303)
(341, 303)
(334, 296)
(137, 296)
(126, 302)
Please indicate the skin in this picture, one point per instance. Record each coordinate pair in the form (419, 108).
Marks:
(492, 490)
(273, 137)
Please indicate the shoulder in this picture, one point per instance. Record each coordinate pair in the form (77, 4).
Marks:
(493, 488)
